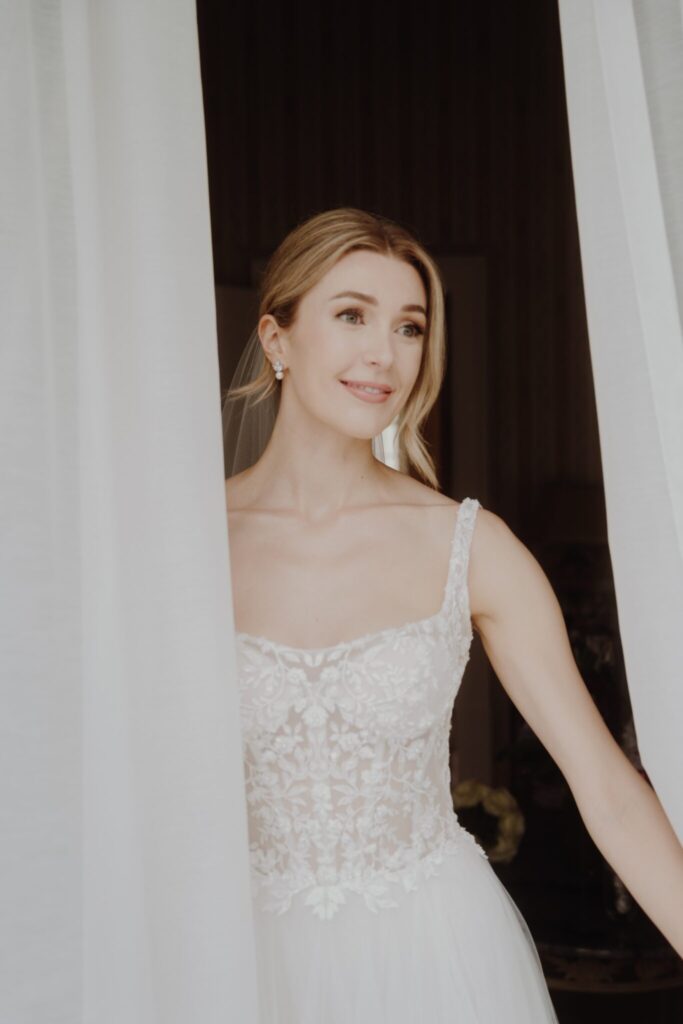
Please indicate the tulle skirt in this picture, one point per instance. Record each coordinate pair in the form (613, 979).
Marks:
(456, 950)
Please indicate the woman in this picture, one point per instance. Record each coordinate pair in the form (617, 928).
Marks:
(356, 590)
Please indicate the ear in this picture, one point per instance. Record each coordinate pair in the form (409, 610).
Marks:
(273, 339)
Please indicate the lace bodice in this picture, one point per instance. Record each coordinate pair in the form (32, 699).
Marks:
(346, 754)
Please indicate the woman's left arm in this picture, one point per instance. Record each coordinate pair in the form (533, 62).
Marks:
(515, 611)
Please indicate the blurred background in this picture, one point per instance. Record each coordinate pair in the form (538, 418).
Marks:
(450, 117)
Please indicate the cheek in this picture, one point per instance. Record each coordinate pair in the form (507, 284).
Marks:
(318, 375)
(410, 367)
(327, 353)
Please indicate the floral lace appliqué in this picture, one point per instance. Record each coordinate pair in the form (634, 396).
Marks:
(346, 755)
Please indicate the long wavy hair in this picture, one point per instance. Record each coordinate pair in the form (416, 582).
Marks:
(304, 256)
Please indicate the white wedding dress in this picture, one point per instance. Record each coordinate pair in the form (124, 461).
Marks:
(372, 904)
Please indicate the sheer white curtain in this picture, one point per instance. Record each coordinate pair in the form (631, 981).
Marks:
(123, 853)
(623, 64)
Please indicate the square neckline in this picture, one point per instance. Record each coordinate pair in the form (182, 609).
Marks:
(264, 641)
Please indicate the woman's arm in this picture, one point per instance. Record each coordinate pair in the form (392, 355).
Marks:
(516, 613)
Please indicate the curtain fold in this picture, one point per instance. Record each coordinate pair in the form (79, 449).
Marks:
(124, 856)
(623, 65)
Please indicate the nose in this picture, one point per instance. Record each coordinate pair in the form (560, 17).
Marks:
(379, 350)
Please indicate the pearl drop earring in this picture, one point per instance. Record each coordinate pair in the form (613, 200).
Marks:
(279, 369)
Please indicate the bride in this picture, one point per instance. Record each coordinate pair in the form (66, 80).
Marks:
(342, 564)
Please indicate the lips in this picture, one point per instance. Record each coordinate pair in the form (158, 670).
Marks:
(359, 384)
(359, 392)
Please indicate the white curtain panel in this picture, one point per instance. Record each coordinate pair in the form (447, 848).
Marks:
(623, 65)
(124, 887)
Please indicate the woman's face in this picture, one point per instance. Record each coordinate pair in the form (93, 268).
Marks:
(342, 343)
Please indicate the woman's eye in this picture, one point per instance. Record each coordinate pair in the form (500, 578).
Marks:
(352, 312)
(416, 329)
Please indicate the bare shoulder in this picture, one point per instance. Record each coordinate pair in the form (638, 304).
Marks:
(501, 569)
(406, 490)
(423, 516)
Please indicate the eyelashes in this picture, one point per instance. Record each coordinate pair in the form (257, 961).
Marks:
(359, 312)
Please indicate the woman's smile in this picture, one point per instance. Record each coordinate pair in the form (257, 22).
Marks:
(368, 392)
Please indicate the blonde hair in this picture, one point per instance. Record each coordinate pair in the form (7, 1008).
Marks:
(304, 257)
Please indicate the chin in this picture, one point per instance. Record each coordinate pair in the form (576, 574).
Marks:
(364, 422)
(355, 430)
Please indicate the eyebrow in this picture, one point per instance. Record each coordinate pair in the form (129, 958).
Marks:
(373, 301)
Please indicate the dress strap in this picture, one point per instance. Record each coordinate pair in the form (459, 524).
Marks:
(460, 552)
